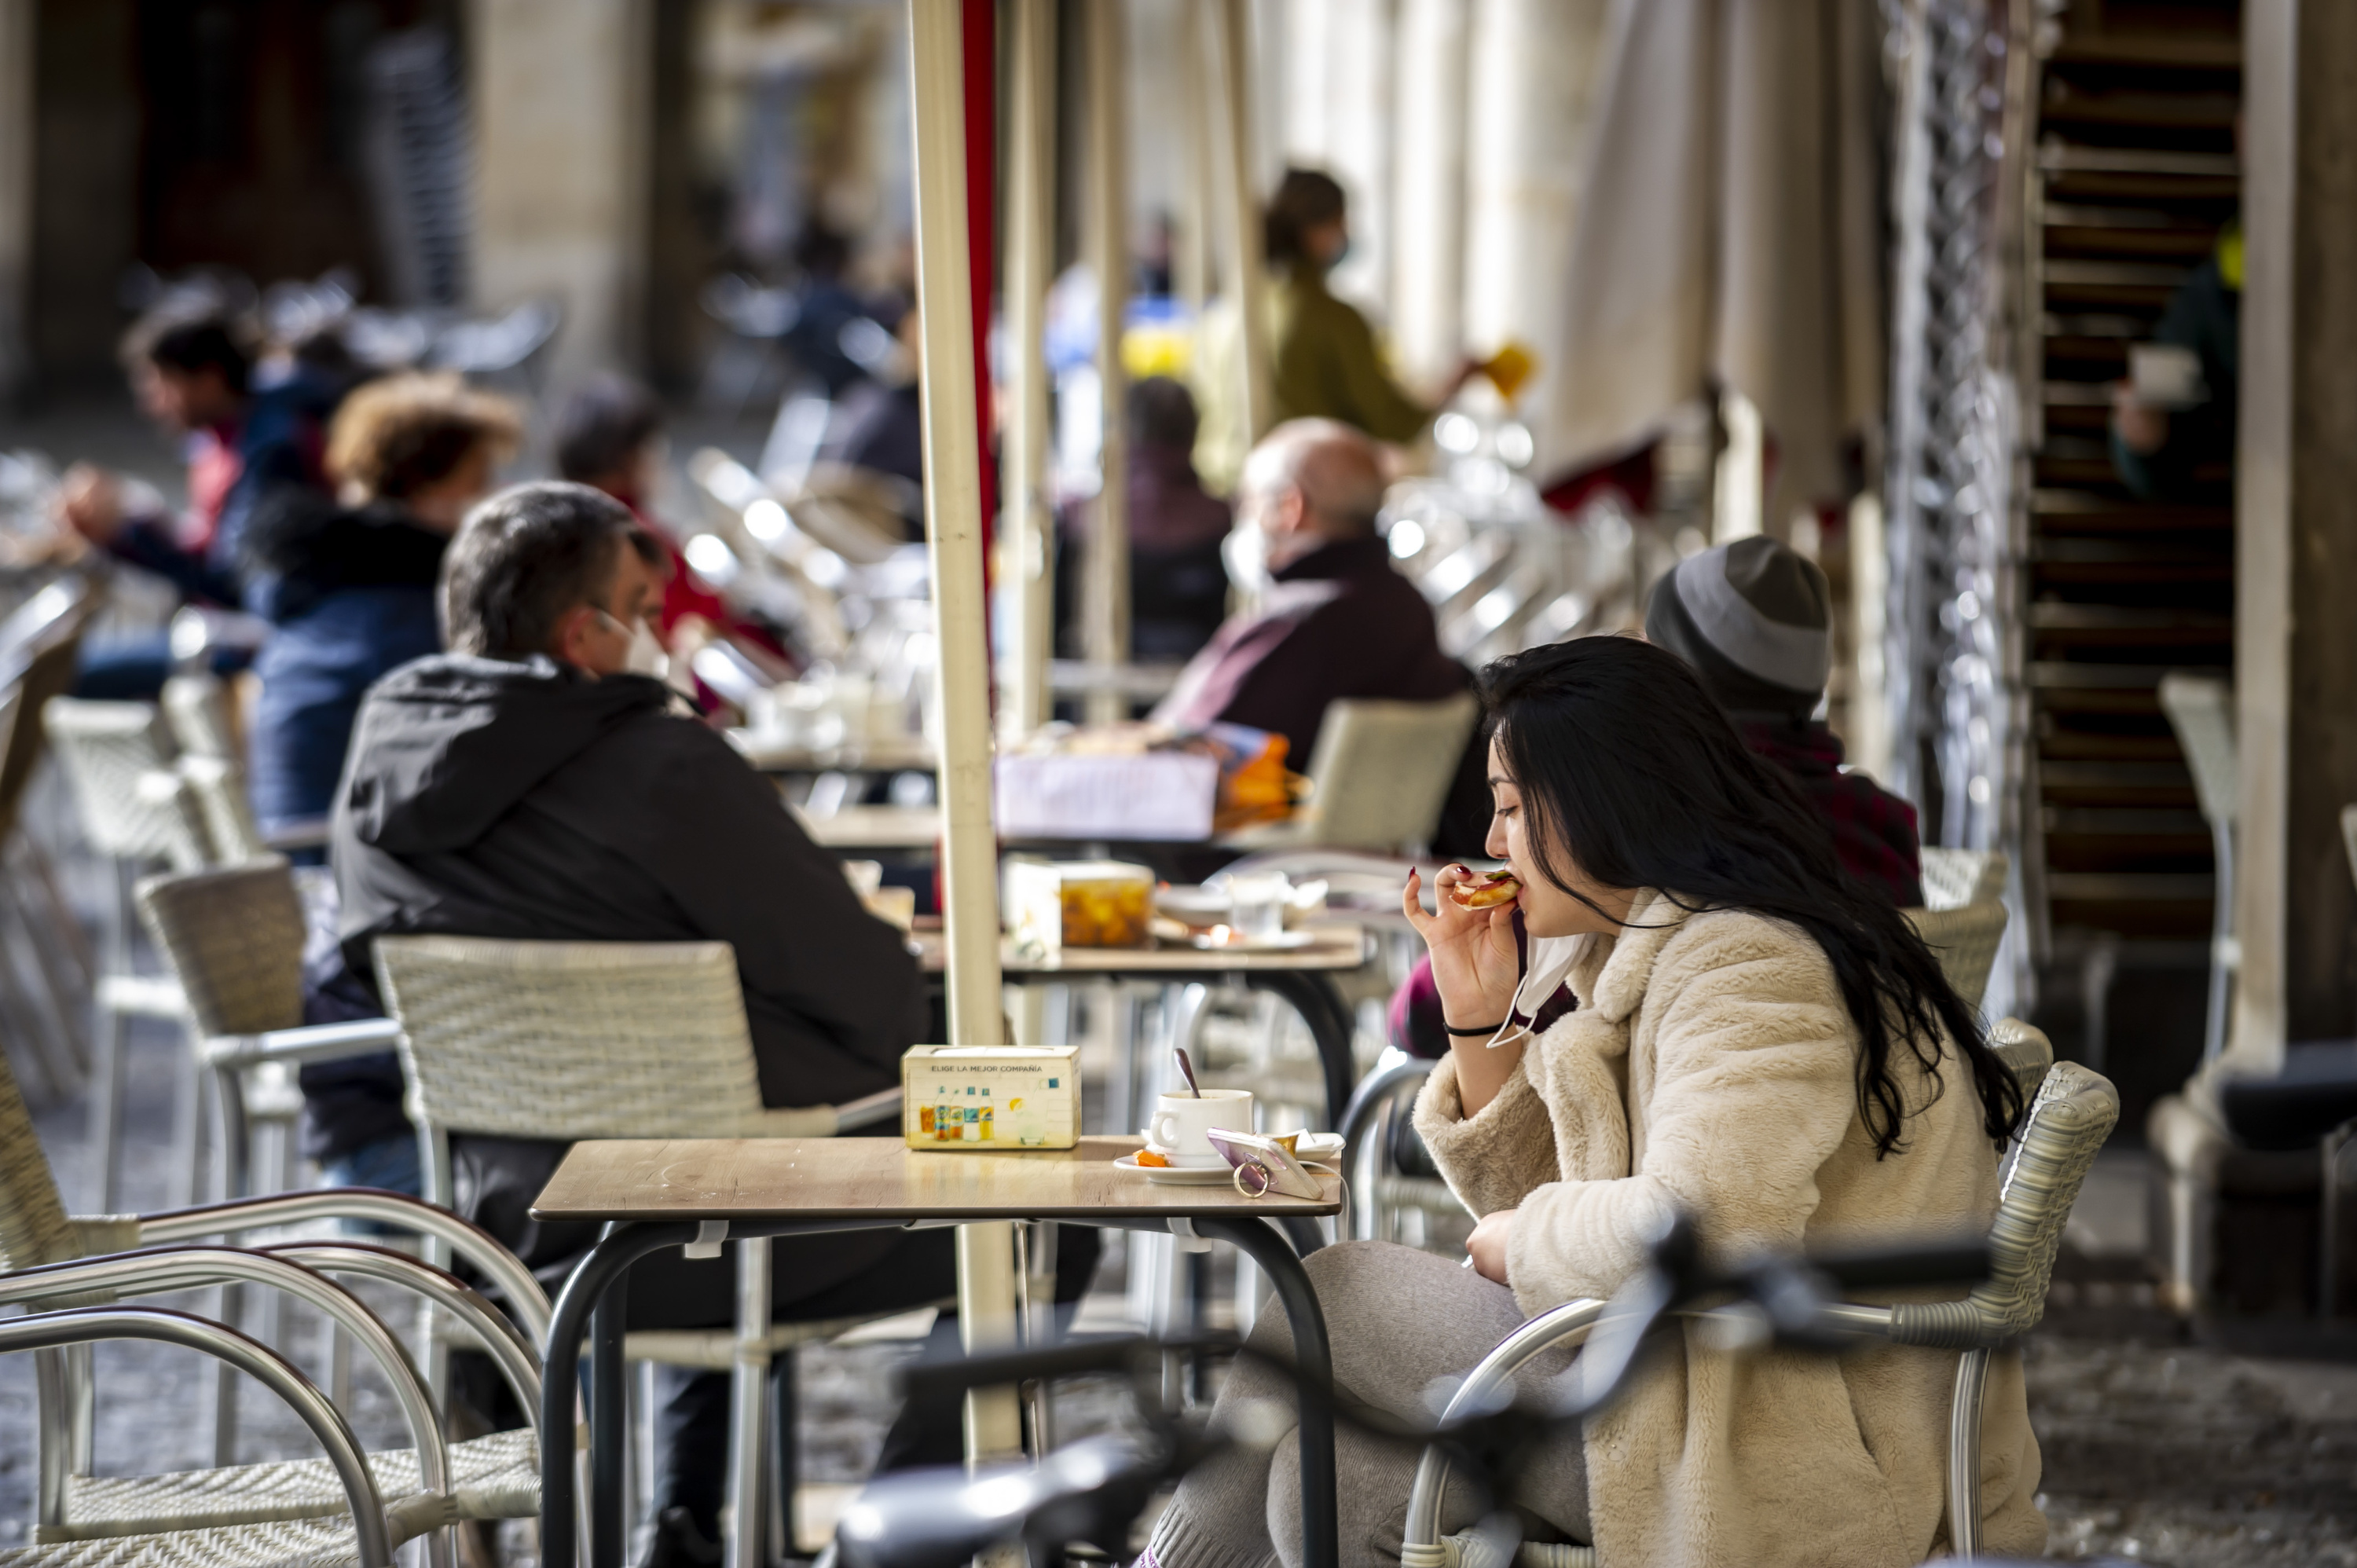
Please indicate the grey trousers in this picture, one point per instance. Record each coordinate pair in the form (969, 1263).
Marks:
(1399, 1319)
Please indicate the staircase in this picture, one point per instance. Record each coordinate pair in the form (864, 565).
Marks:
(2135, 174)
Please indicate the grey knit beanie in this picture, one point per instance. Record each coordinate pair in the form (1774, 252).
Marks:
(1754, 618)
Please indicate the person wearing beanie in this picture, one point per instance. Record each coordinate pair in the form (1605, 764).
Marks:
(1754, 619)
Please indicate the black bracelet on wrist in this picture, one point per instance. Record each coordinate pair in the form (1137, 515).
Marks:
(1477, 1029)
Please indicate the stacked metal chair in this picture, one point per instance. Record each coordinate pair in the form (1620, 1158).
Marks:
(44, 944)
(235, 940)
(137, 812)
(2071, 1112)
(69, 1272)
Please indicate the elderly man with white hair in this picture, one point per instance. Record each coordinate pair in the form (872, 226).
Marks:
(1334, 619)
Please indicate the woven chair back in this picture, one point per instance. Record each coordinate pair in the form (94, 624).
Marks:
(114, 754)
(2071, 1114)
(1382, 770)
(217, 788)
(2025, 1052)
(235, 940)
(196, 709)
(48, 674)
(1955, 877)
(571, 1039)
(33, 1229)
(1966, 941)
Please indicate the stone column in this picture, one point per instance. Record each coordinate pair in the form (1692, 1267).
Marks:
(16, 122)
(562, 93)
(2296, 529)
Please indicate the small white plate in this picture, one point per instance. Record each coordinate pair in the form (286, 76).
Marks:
(1284, 941)
(1181, 1176)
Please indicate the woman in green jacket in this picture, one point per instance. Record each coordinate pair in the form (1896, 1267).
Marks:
(1326, 363)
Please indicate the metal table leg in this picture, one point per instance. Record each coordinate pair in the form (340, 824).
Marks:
(609, 1426)
(605, 1267)
(594, 1282)
(1313, 1358)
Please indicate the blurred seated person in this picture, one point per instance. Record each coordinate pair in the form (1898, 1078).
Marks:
(2160, 435)
(193, 372)
(1334, 619)
(609, 436)
(529, 784)
(1754, 620)
(1177, 582)
(349, 584)
(825, 308)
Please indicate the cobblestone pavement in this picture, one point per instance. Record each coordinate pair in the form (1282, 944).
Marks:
(2168, 1452)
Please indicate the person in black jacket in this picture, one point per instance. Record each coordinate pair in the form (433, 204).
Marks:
(528, 784)
(348, 586)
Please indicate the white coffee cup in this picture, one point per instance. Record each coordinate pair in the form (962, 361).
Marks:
(1181, 1121)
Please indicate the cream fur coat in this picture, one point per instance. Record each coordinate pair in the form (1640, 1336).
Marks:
(1711, 1065)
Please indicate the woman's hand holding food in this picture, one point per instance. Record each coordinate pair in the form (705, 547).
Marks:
(1476, 966)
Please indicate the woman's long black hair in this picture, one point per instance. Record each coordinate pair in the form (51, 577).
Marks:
(1628, 769)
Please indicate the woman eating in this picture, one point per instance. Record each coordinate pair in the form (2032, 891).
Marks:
(1759, 1042)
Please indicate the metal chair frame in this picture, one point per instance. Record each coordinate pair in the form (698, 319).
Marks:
(58, 1335)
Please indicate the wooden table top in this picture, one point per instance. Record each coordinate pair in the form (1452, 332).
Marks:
(838, 1179)
(1335, 948)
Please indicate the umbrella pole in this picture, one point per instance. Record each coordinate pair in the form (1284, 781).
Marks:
(1106, 622)
(1023, 705)
(953, 541)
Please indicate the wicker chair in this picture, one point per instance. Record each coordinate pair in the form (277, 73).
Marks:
(1380, 774)
(2200, 709)
(49, 1259)
(47, 1010)
(323, 1542)
(39, 643)
(1955, 877)
(2071, 1112)
(198, 709)
(137, 811)
(1964, 917)
(234, 937)
(574, 1040)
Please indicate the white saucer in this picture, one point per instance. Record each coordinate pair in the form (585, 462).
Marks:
(1181, 1176)
(1282, 942)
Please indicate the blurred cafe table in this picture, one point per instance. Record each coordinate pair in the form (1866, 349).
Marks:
(873, 754)
(653, 1195)
(1302, 976)
(874, 827)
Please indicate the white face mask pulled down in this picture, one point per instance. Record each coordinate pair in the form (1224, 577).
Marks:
(645, 655)
(1548, 965)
